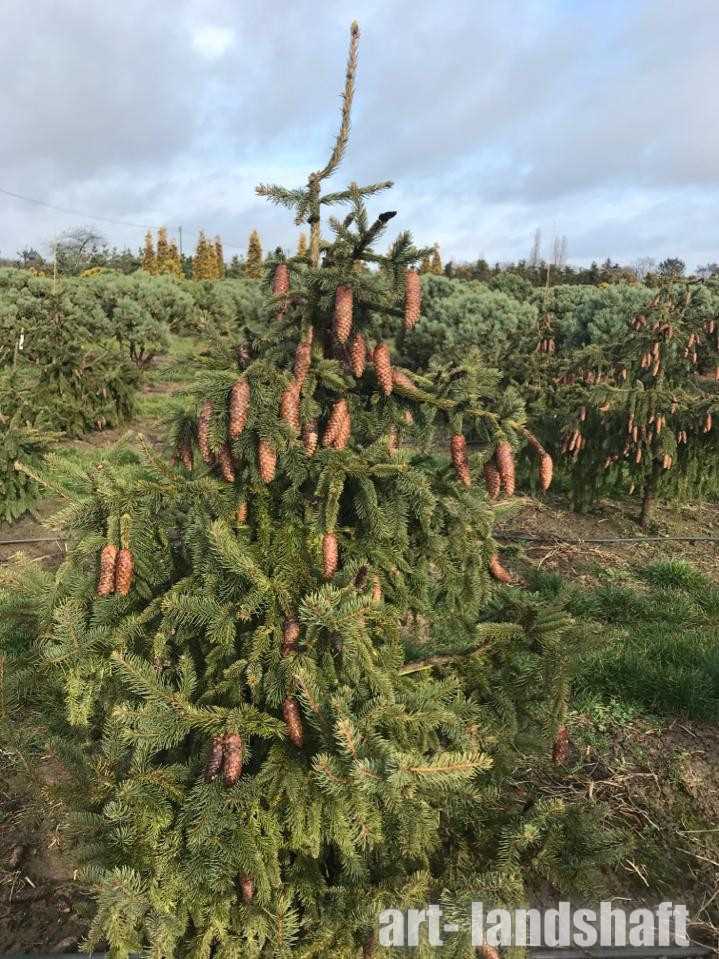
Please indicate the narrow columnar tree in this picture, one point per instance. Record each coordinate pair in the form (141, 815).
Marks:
(149, 261)
(219, 258)
(253, 262)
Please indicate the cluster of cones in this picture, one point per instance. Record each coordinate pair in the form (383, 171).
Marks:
(116, 570)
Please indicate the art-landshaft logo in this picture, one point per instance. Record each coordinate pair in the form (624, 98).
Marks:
(565, 926)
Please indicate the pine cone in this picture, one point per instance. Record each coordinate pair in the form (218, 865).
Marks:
(267, 460)
(505, 465)
(290, 636)
(234, 753)
(203, 432)
(344, 432)
(310, 437)
(492, 479)
(184, 454)
(488, 952)
(239, 407)
(343, 313)
(291, 713)
(358, 355)
(241, 513)
(376, 590)
(124, 568)
(561, 747)
(247, 887)
(215, 759)
(226, 464)
(412, 298)
(497, 571)
(339, 411)
(546, 471)
(408, 418)
(106, 576)
(330, 553)
(281, 280)
(383, 367)
(290, 406)
(458, 449)
(303, 361)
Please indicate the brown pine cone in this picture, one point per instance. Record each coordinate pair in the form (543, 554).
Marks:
(203, 432)
(241, 513)
(184, 454)
(458, 449)
(239, 408)
(505, 465)
(376, 590)
(412, 298)
(290, 636)
(293, 718)
(106, 576)
(403, 381)
(226, 464)
(358, 355)
(337, 415)
(124, 568)
(492, 479)
(267, 460)
(343, 313)
(303, 360)
(488, 952)
(281, 280)
(290, 406)
(310, 437)
(383, 367)
(330, 555)
(408, 418)
(497, 571)
(561, 747)
(215, 758)
(546, 471)
(344, 432)
(247, 887)
(234, 753)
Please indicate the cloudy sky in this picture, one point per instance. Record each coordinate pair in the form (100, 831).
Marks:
(597, 119)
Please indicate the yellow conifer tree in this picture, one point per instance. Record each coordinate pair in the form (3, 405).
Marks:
(253, 263)
(435, 262)
(149, 261)
(219, 258)
(163, 251)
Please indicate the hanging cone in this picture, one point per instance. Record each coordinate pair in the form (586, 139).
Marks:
(239, 407)
(497, 571)
(291, 713)
(303, 360)
(290, 406)
(546, 471)
(505, 465)
(358, 355)
(492, 479)
(339, 411)
(290, 636)
(310, 437)
(241, 513)
(203, 432)
(234, 752)
(488, 952)
(184, 454)
(344, 431)
(383, 367)
(106, 575)
(408, 418)
(412, 298)
(124, 568)
(267, 461)
(401, 380)
(247, 888)
(224, 461)
(458, 450)
(343, 313)
(215, 758)
(561, 747)
(330, 555)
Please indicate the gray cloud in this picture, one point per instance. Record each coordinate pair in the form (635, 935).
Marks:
(596, 120)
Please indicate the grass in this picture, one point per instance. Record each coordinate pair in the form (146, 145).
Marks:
(659, 649)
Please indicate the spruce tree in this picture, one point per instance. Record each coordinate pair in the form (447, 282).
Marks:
(204, 263)
(149, 261)
(219, 259)
(163, 251)
(246, 665)
(435, 262)
(253, 262)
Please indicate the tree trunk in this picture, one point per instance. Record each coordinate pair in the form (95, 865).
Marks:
(650, 488)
